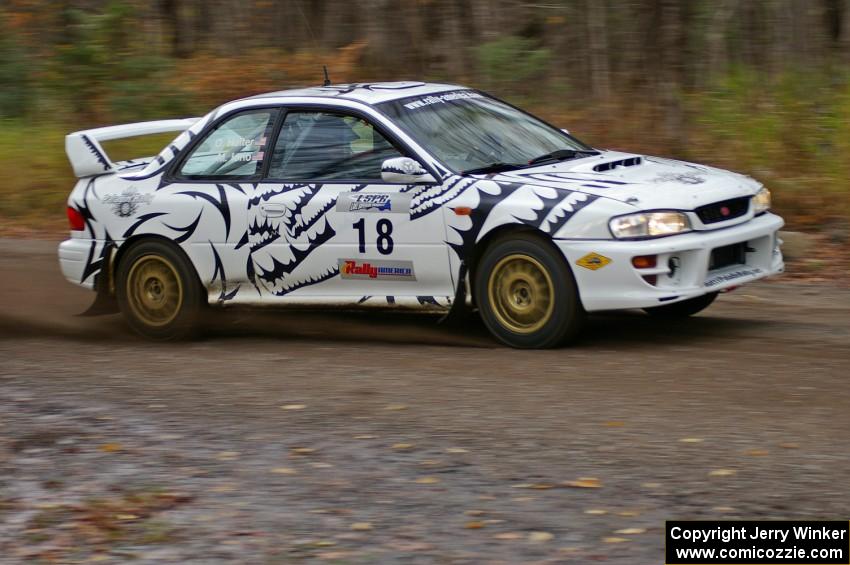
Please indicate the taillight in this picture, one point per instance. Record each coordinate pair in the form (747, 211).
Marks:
(76, 220)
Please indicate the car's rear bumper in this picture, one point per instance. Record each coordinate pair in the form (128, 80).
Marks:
(619, 285)
(73, 258)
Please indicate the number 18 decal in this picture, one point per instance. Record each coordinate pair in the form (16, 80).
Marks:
(385, 239)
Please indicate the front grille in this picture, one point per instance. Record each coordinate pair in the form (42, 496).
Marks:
(729, 255)
(722, 211)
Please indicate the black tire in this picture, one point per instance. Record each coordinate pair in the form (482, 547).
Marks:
(158, 291)
(526, 263)
(682, 309)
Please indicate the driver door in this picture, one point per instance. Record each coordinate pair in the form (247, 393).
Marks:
(341, 231)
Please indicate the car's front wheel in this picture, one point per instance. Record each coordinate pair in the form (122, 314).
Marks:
(158, 291)
(526, 293)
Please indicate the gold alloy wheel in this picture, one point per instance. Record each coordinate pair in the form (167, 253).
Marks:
(154, 290)
(521, 293)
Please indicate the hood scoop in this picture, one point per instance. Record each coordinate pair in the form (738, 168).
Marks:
(611, 165)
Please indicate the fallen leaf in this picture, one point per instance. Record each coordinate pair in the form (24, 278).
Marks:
(473, 525)
(628, 513)
(325, 543)
(630, 531)
(650, 485)
(320, 465)
(427, 480)
(475, 512)
(539, 537)
(227, 455)
(723, 509)
(596, 512)
(691, 440)
(126, 517)
(789, 446)
(365, 436)
(456, 450)
(110, 447)
(293, 407)
(722, 473)
(284, 471)
(403, 445)
(335, 555)
(584, 482)
(302, 450)
(396, 407)
(615, 540)
(508, 535)
(757, 452)
(361, 526)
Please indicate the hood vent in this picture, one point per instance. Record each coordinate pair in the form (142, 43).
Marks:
(611, 165)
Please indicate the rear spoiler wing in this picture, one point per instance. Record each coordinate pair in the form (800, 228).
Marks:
(88, 157)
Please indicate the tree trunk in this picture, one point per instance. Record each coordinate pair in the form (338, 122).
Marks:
(600, 72)
(170, 10)
(716, 38)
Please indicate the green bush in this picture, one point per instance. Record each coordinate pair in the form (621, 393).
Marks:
(510, 63)
(15, 82)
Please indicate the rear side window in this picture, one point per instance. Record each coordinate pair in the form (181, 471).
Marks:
(235, 149)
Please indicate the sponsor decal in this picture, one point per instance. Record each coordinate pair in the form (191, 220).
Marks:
(593, 261)
(684, 178)
(127, 203)
(373, 202)
(376, 269)
(441, 99)
(726, 277)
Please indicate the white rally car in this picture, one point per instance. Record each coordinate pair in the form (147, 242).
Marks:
(404, 195)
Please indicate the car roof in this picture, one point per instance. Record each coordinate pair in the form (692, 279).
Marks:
(366, 92)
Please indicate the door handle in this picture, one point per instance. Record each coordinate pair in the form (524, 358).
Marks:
(273, 210)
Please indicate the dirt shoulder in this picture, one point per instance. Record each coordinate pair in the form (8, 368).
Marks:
(362, 438)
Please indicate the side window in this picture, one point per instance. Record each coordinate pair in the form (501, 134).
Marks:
(327, 146)
(234, 149)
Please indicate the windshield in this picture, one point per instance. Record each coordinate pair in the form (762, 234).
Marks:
(468, 131)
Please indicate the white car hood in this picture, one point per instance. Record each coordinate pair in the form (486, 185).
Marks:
(646, 182)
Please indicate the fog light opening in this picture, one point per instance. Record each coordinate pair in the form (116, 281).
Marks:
(673, 264)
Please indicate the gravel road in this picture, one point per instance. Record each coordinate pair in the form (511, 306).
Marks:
(285, 437)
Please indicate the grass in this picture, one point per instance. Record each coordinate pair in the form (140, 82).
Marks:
(37, 177)
(793, 135)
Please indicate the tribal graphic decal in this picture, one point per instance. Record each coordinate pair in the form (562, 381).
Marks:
(271, 235)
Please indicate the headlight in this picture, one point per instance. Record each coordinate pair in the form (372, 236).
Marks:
(649, 224)
(761, 201)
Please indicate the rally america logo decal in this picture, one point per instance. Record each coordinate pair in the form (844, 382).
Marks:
(376, 269)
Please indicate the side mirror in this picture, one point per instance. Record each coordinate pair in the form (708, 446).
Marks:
(565, 130)
(404, 170)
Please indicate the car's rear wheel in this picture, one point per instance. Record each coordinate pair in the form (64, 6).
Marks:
(158, 291)
(684, 308)
(526, 293)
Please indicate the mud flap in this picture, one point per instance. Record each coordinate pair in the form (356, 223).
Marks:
(459, 312)
(104, 302)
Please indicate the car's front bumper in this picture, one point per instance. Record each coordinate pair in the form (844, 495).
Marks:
(619, 285)
(73, 258)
